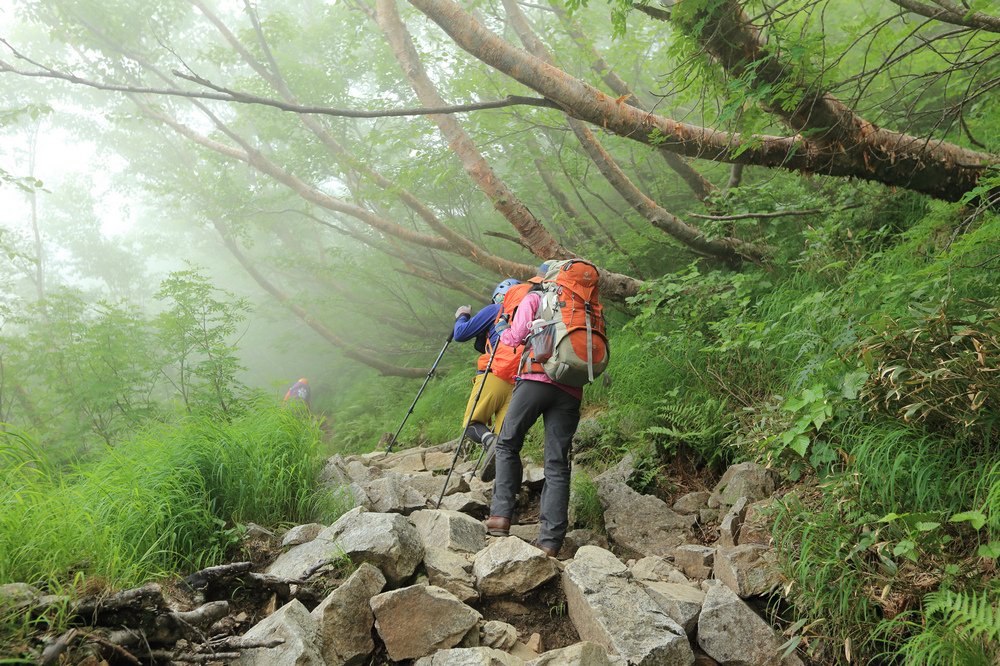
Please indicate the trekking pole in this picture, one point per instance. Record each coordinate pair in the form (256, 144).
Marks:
(451, 336)
(461, 438)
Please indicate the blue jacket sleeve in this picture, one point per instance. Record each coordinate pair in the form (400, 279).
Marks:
(478, 326)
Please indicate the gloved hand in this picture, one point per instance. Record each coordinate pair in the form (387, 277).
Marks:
(464, 310)
(502, 325)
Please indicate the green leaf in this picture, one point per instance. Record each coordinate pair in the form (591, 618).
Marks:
(800, 445)
(853, 382)
(990, 550)
(789, 646)
(975, 518)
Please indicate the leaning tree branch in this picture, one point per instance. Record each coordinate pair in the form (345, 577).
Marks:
(891, 158)
(702, 188)
(349, 162)
(346, 348)
(935, 167)
(949, 12)
(508, 237)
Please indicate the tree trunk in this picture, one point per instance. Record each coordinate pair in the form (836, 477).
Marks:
(615, 286)
(542, 243)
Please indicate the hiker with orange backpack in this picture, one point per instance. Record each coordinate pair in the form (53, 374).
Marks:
(561, 327)
(490, 403)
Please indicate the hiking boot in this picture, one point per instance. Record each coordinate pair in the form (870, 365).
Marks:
(489, 470)
(497, 526)
(551, 552)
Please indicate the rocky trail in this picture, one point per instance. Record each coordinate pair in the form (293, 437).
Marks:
(396, 580)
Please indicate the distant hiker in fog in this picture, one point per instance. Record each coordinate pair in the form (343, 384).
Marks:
(299, 394)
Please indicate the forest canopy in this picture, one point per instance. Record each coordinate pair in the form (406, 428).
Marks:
(703, 131)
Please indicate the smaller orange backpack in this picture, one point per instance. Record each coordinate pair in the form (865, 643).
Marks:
(506, 359)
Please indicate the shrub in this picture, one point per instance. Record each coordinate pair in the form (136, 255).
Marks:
(938, 366)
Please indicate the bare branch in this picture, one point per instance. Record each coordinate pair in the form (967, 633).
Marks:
(227, 95)
(949, 12)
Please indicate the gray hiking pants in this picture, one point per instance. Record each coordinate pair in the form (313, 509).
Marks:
(561, 414)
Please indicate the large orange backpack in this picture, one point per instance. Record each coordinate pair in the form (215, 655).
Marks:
(506, 359)
(567, 340)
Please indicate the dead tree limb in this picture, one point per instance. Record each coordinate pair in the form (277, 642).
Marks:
(201, 579)
(54, 649)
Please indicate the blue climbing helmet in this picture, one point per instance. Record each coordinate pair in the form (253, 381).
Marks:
(502, 289)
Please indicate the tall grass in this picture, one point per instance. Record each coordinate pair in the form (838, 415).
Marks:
(901, 468)
(166, 500)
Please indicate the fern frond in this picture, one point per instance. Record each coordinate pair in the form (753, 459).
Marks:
(968, 613)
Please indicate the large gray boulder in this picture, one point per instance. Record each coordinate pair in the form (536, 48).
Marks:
(334, 472)
(345, 618)
(759, 523)
(451, 571)
(691, 502)
(301, 534)
(451, 530)
(402, 461)
(477, 656)
(473, 502)
(293, 624)
(653, 568)
(681, 602)
(580, 654)
(746, 479)
(419, 620)
(642, 524)
(430, 486)
(610, 608)
(729, 528)
(695, 561)
(391, 494)
(748, 570)
(362, 473)
(510, 566)
(732, 634)
(499, 635)
(388, 541)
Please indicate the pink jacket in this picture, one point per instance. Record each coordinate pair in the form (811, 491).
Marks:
(518, 332)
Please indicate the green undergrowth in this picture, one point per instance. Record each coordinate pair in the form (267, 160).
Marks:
(171, 498)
